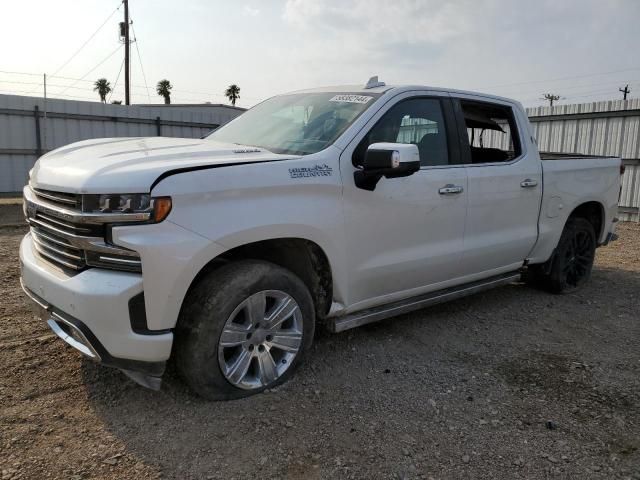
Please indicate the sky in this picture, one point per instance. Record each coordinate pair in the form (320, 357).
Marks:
(581, 50)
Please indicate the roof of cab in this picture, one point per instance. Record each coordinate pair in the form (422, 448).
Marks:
(363, 90)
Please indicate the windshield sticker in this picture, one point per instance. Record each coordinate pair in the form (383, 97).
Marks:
(315, 171)
(351, 98)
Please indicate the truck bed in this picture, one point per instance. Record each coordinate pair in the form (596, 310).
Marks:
(567, 184)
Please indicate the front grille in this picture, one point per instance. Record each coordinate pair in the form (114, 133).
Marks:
(64, 239)
(65, 227)
(51, 238)
(66, 200)
(57, 249)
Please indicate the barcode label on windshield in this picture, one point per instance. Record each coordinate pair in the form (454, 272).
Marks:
(351, 98)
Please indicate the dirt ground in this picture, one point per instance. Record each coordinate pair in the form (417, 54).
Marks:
(512, 383)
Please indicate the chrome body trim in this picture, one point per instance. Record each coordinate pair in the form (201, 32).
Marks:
(57, 250)
(94, 244)
(55, 258)
(83, 346)
(340, 324)
(56, 198)
(123, 261)
(58, 323)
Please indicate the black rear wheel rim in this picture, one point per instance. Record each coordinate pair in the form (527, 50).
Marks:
(579, 257)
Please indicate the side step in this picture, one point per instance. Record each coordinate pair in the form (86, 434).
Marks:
(353, 320)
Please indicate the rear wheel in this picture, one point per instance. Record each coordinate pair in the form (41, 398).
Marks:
(244, 328)
(573, 260)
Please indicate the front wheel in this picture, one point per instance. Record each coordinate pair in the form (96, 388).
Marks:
(573, 260)
(244, 328)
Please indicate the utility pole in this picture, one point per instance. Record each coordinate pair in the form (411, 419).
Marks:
(551, 97)
(126, 52)
(44, 123)
(625, 91)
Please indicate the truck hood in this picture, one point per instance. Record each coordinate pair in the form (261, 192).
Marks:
(132, 165)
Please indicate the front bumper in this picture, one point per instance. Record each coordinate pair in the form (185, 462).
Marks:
(90, 311)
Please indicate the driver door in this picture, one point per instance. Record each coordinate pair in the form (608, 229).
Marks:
(406, 237)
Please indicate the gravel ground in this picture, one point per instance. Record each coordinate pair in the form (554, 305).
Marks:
(11, 212)
(512, 383)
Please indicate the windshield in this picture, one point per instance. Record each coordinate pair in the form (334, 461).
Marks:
(298, 124)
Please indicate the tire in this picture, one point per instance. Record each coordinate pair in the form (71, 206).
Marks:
(223, 342)
(572, 262)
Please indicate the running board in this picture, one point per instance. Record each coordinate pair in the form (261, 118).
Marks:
(353, 320)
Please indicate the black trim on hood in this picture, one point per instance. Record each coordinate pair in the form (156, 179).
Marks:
(176, 171)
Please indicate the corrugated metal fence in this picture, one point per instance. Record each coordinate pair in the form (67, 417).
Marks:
(597, 128)
(29, 127)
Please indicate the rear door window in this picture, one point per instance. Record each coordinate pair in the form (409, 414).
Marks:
(491, 131)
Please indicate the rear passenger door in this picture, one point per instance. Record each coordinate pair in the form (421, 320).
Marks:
(504, 180)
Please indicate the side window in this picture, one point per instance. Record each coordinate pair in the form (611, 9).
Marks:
(418, 121)
(492, 133)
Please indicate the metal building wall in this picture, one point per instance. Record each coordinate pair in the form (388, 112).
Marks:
(69, 121)
(599, 128)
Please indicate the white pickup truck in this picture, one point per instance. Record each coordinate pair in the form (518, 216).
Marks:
(336, 206)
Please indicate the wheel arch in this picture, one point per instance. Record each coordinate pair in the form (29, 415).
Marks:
(303, 257)
(592, 211)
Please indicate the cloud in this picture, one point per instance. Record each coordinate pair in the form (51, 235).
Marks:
(249, 11)
(376, 21)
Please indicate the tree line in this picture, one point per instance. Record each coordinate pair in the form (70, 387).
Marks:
(163, 88)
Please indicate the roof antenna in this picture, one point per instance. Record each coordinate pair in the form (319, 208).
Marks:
(373, 83)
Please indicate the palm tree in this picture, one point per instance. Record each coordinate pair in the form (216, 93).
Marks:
(232, 93)
(103, 87)
(164, 90)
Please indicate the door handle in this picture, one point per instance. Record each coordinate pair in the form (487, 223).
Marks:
(528, 183)
(450, 189)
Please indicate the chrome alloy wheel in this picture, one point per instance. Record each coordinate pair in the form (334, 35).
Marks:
(260, 339)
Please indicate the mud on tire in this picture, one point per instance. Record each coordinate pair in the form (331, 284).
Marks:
(214, 307)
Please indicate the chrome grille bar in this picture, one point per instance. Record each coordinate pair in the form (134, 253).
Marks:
(58, 197)
(57, 250)
(46, 226)
(55, 258)
(62, 223)
(61, 242)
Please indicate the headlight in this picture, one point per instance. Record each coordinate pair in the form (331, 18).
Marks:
(123, 203)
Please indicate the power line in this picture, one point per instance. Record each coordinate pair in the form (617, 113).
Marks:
(135, 40)
(82, 78)
(48, 85)
(116, 82)
(145, 87)
(13, 92)
(85, 43)
(570, 91)
(21, 73)
(561, 78)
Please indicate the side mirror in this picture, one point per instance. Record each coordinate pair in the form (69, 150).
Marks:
(389, 160)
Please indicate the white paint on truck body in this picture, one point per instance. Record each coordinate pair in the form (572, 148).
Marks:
(400, 240)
